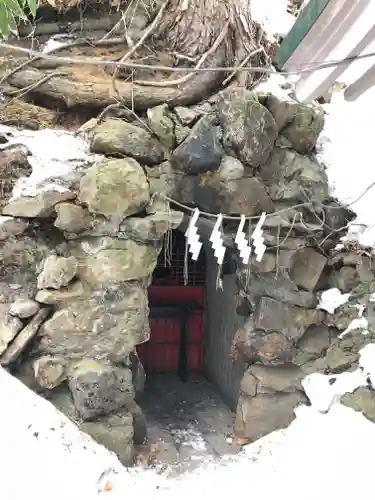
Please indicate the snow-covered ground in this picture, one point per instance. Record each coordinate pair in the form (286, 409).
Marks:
(326, 452)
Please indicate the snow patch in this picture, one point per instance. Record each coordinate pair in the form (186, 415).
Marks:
(272, 15)
(53, 154)
(331, 299)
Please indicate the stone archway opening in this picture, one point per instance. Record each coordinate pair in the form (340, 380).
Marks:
(188, 385)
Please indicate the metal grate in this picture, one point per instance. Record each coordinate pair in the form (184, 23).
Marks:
(172, 272)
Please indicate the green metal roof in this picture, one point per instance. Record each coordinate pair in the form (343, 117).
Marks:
(301, 27)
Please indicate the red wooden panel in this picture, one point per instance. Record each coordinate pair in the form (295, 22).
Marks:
(159, 358)
(175, 294)
(161, 353)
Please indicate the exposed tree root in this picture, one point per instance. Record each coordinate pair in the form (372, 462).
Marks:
(211, 32)
(101, 94)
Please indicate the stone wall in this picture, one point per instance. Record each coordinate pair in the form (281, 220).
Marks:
(77, 258)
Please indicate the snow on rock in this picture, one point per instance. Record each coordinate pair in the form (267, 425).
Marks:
(331, 299)
(346, 148)
(53, 153)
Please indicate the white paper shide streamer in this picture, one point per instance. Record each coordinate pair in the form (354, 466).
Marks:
(194, 245)
(242, 242)
(217, 240)
(258, 240)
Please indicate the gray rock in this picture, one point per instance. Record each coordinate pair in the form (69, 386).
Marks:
(201, 151)
(107, 324)
(106, 260)
(10, 226)
(163, 179)
(246, 196)
(272, 315)
(115, 188)
(249, 128)
(117, 137)
(71, 218)
(24, 337)
(314, 343)
(24, 308)
(339, 360)
(267, 348)
(114, 431)
(40, 206)
(363, 400)
(53, 297)
(49, 371)
(152, 227)
(271, 379)
(162, 124)
(260, 415)
(292, 176)
(99, 389)
(279, 288)
(346, 279)
(307, 268)
(9, 327)
(57, 272)
(188, 116)
(303, 131)
(230, 169)
(282, 109)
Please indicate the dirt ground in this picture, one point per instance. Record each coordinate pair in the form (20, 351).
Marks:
(188, 423)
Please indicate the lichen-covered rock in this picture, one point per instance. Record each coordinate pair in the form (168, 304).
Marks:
(106, 260)
(249, 129)
(115, 188)
(151, 228)
(114, 431)
(163, 179)
(280, 288)
(314, 343)
(272, 315)
(57, 272)
(264, 413)
(307, 267)
(117, 137)
(201, 151)
(289, 175)
(260, 379)
(64, 294)
(40, 206)
(304, 129)
(10, 326)
(188, 116)
(10, 226)
(106, 325)
(363, 400)
(230, 169)
(346, 279)
(282, 109)
(71, 218)
(49, 371)
(99, 389)
(246, 196)
(162, 124)
(24, 308)
(268, 348)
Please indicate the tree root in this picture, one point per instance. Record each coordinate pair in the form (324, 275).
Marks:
(100, 94)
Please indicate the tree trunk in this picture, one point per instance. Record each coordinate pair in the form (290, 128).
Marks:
(210, 33)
